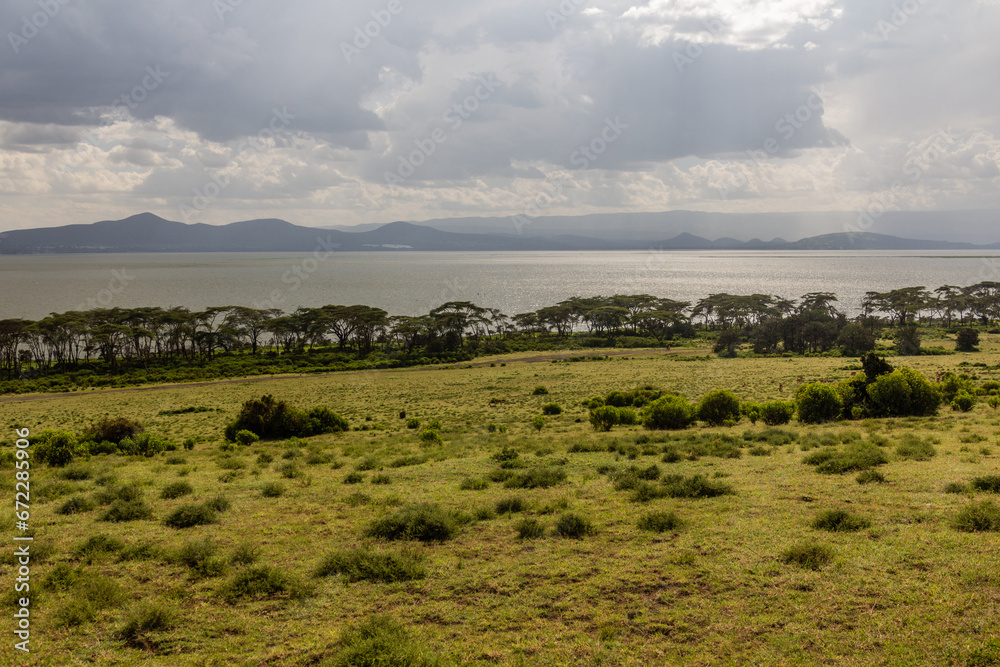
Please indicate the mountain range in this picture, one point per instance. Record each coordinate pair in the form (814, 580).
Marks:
(147, 232)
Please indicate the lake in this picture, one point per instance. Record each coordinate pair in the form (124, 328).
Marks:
(412, 283)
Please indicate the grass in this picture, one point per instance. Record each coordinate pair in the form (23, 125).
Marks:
(571, 524)
(807, 555)
(188, 516)
(379, 641)
(856, 456)
(709, 589)
(367, 565)
(839, 521)
(423, 522)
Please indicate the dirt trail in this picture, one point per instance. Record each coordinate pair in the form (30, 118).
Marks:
(272, 378)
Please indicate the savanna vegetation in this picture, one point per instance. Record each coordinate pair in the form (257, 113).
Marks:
(671, 508)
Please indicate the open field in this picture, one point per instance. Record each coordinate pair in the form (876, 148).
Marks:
(908, 588)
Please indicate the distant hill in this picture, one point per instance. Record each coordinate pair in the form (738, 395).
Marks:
(146, 232)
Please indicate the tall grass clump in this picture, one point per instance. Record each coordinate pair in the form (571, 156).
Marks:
(989, 483)
(536, 478)
(381, 642)
(144, 621)
(367, 565)
(978, 517)
(912, 448)
(423, 522)
(856, 456)
(261, 582)
(188, 516)
(572, 525)
(659, 522)
(837, 521)
(807, 555)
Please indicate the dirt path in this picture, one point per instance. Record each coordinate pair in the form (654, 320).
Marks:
(271, 378)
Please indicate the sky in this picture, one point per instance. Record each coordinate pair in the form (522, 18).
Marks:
(349, 112)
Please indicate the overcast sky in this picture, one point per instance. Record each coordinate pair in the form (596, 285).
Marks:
(355, 111)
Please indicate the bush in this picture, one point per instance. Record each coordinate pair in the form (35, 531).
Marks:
(669, 413)
(659, 522)
(200, 556)
(75, 505)
(540, 391)
(176, 490)
(113, 429)
(245, 554)
(839, 521)
(353, 478)
(412, 423)
(818, 403)
(58, 448)
(367, 565)
(912, 448)
(870, 477)
(604, 418)
(570, 524)
(956, 487)
(903, 393)
(423, 522)
(127, 510)
(963, 402)
(144, 444)
(808, 555)
(536, 478)
(474, 484)
(381, 642)
(776, 413)
(529, 529)
(538, 422)
(551, 409)
(856, 456)
(188, 516)
(430, 436)
(854, 340)
(967, 339)
(719, 406)
(989, 483)
(696, 486)
(97, 546)
(381, 478)
(272, 489)
(246, 437)
(146, 618)
(262, 582)
(908, 340)
(978, 517)
(272, 419)
(511, 505)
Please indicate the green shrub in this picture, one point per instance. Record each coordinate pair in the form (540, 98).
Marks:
(144, 620)
(353, 478)
(540, 391)
(262, 582)
(529, 529)
(659, 522)
(96, 546)
(381, 478)
(176, 490)
(989, 483)
(423, 522)
(272, 419)
(776, 413)
(956, 487)
(536, 478)
(903, 393)
(571, 524)
(76, 473)
(189, 444)
(58, 448)
(511, 505)
(474, 484)
(245, 437)
(538, 422)
(978, 517)
(870, 477)
(669, 413)
(431, 437)
(413, 423)
(818, 403)
(272, 489)
(245, 553)
(856, 456)
(127, 510)
(200, 557)
(188, 516)
(963, 402)
(696, 486)
(839, 521)
(291, 471)
(381, 642)
(604, 418)
(551, 409)
(719, 406)
(367, 565)
(144, 444)
(912, 448)
(807, 555)
(75, 505)
(113, 429)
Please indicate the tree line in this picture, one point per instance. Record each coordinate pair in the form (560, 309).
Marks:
(138, 337)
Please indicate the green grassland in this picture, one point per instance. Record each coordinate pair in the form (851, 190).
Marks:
(721, 587)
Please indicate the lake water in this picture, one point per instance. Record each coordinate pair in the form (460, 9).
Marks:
(412, 283)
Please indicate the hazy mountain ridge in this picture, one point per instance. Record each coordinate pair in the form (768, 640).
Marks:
(147, 232)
